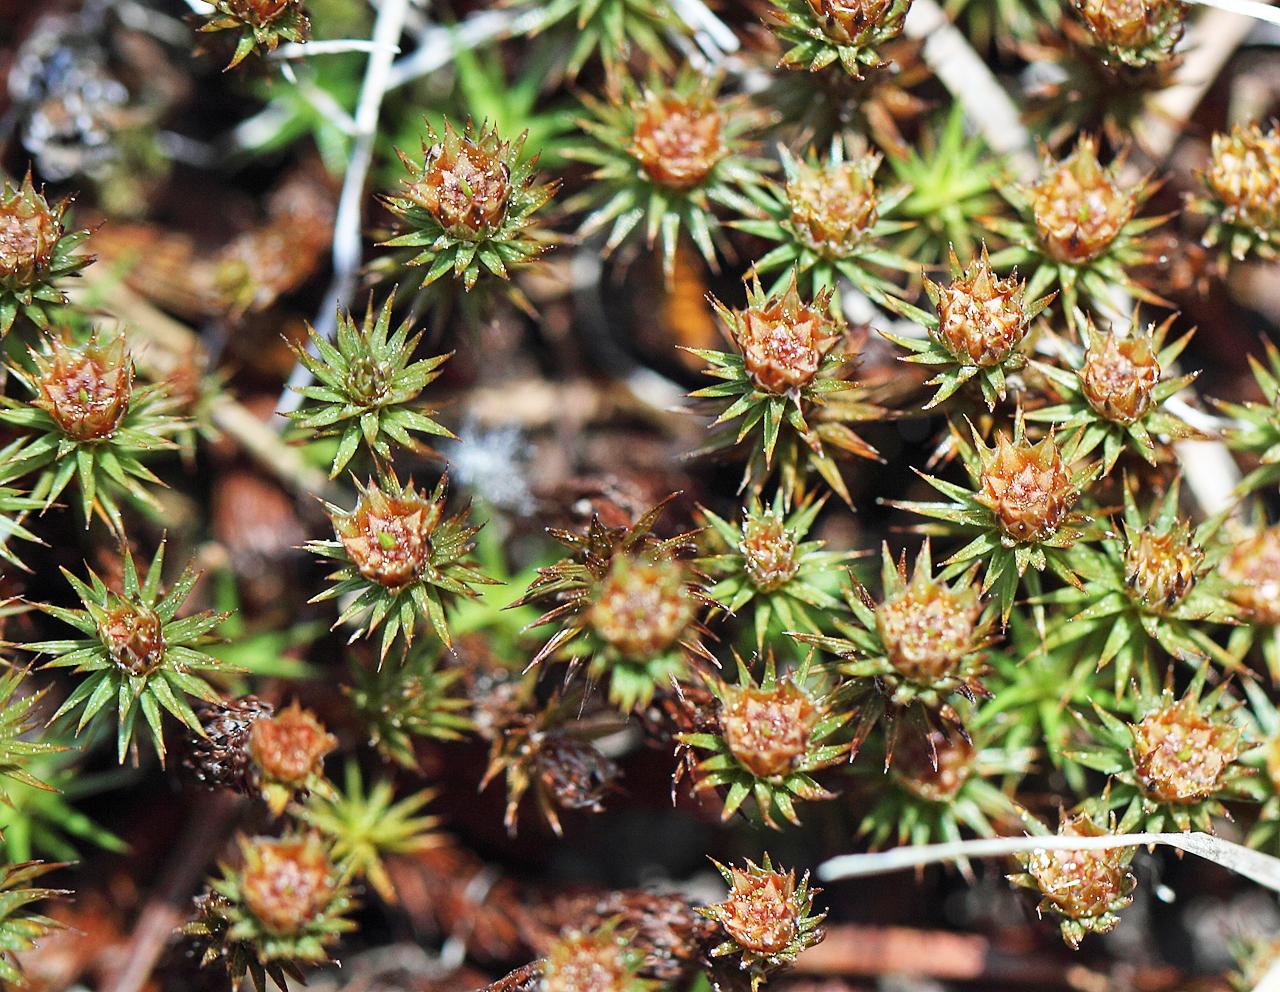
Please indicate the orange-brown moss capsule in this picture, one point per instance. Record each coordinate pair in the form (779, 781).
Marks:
(846, 22)
(287, 883)
(1080, 207)
(1180, 755)
(1027, 487)
(933, 765)
(1162, 568)
(134, 637)
(981, 317)
(768, 730)
(29, 232)
(596, 961)
(260, 13)
(769, 551)
(388, 536)
(291, 746)
(1119, 375)
(678, 138)
(1252, 569)
(833, 206)
(86, 388)
(1137, 32)
(1243, 174)
(465, 182)
(928, 628)
(642, 607)
(783, 340)
(760, 913)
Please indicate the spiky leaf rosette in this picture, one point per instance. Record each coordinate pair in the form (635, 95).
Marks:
(1251, 570)
(1135, 34)
(664, 154)
(1077, 230)
(941, 785)
(626, 603)
(1115, 398)
(20, 929)
(260, 24)
(283, 907)
(772, 736)
(400, 559)
(764, 562)
(363, 827)
(417, 698)
(36, 251)
(86, 421)
(605, 959)
(469, 208)
(1019, 511)
(136, 652)
(1256, 430)
(767, 919)
(17, 721)
(1151, 589)
(1242, 192)
(549, 749)
(366, 385)
(951, 178)
(919, 648)
(976, 335)
(1084, 889)
(829, 219)
(850, 32)
(1178, 764)
(788, 360)
(611, 30)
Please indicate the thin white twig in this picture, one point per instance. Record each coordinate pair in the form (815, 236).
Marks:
(438, 45)
(1247, 8)
(1253, 865)
(336, 46)
(200, 7)
(712, 35)
(972, 85)
(347, 237)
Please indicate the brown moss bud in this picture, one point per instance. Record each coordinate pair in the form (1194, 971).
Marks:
(1162, 568)
(833, 207)
(85, 388)
(134, 638)
(767, 730)
(287, 882)
(928, 628)
(465, 182)
(589, 962)
(291, 746)
(1137, 31)
(761, 913)
(1119, 375)
(783, 340)
(1080, 207)
(933, 765)
(1244, 176)
(769, 551)
(677, 139)
(388, 535)
(29, 233)
(1180, 756)
(981, 318)
(641, 607)
(260, 13)
(1252, 569)
(852, 22)
(1027, 487)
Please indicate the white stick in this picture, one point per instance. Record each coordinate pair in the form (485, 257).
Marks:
(347, 237)
(438, 45)
(336, 46)
(1247, 8)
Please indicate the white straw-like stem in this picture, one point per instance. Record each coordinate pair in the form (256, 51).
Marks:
(438, 45)
(336, 46)
(200, 7)
(1246, 8)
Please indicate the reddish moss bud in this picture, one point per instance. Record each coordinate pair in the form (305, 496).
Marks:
(768, 730)
(933, 765)
(833, 207)
(678, 138)
(642, 607)
(760, 913)
(1244, 177)
(260, 13)
(1162, 568)
(1119, 375)
(291, 746)
(1027, 487)
(134, 638)
(1180, 756)
(981, 318)
(1252, 569)
(769, 551)
(783, 340)
(287, 882)
(465, 182)
(857, 22)
(388, 536)
(589, 962)
(928, 628)
(1137, 32)
(85, 388)
(1080, 207)
(29, 233)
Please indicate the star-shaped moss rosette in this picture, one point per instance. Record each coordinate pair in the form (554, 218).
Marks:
(662, 156)
(951, 177)
(1179, 763)
(20, 928)
(283, 907)
(765, 562)
(400, 560)
(366, 385)
(1256, 429)
(941, 785)
(1085, 890)
(1151, 590)
(767, 919)
(1077, 230)
(1242, 192)
(822, 32)
(87, 421)
(36, 252)
(136, 652)
(261, 24)
(470, 207)
(976, 335)
(605, 959)
(1263, 720)
(1138, 35)
(772, 736)
(1250, 570)
(1020, 512)
(789, 358)
(611, 30)
(627, 607)
(829, 220)
(364, 827)
(19, 747)
(1115, 399)
(918, 649)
